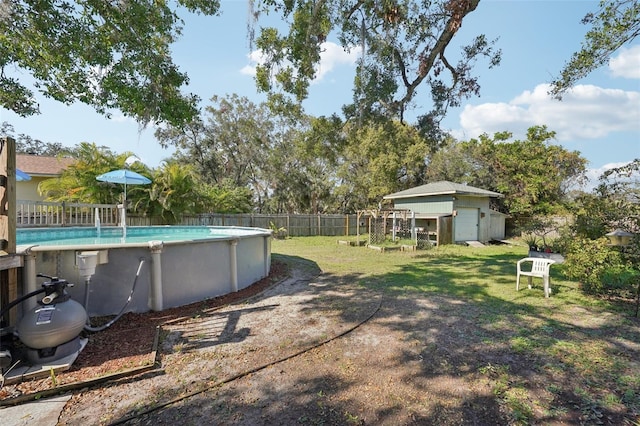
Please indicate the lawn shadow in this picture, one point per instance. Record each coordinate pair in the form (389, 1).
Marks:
(468, 349)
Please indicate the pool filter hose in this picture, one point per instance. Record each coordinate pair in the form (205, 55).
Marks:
(20, 300)
(88, 326)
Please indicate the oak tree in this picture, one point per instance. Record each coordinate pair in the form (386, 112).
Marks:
(404, 46)
(616, 23)
(106, 54)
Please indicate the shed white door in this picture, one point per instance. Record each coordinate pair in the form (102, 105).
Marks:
(466, 225)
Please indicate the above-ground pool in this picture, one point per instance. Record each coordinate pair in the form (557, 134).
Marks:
(169, 265)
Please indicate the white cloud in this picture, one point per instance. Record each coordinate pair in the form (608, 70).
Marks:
(119, 117)
(593, 174)
(255, 58)
(627, 63)
(331, 56)
(586, 112)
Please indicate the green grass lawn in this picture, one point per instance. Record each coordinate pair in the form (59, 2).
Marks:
(481, 274)
(593, 342)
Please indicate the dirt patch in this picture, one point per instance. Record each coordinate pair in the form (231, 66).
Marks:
(130, 343)
(303, 347)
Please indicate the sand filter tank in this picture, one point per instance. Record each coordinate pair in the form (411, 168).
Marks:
(51, 329)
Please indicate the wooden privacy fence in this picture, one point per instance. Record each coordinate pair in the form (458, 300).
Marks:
(296, 225)
(33, 214)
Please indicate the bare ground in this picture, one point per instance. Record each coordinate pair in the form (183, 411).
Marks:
(304, 347)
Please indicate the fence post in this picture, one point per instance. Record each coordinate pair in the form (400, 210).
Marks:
(9, 262)
(414, 231)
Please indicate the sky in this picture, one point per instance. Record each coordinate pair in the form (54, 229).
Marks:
(599, 117)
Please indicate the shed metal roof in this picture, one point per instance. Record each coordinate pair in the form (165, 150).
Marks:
(442, 188)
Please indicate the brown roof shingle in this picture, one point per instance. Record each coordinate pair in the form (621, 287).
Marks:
(42, 166)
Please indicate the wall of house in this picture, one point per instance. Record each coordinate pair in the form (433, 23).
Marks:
(28, 190)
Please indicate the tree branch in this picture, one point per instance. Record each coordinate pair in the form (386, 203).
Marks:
(347, 15)
(459, 9)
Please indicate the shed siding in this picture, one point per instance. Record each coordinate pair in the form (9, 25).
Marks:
(475, 202)
(446, 204)
(484, 221)
(431, 205)
(466, 224)
(497, 230)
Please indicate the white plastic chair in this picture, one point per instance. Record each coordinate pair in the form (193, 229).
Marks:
(539, 268)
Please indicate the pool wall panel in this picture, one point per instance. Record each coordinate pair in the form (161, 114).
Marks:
(191, 271)
(194, 272)
(111, 285)
(250, 258)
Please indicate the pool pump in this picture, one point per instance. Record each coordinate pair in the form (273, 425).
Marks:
(51, 330)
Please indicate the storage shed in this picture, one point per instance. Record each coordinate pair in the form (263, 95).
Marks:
(467, 207)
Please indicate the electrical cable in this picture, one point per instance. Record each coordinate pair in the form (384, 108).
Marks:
(103, 327)
(245, 373)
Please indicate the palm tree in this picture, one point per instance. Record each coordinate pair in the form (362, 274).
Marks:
(78, 182)
(175, 191)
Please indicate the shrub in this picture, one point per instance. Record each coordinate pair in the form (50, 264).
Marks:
(278, 233)
(532, 241)
(598, 267)
(424, 244)
(621, 279)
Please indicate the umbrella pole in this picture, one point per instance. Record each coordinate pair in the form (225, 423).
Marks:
(124, 212)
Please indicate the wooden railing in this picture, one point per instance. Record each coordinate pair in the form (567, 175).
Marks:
(30, 214)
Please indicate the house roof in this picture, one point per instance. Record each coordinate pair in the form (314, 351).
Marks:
(442, 188)
(36, 165)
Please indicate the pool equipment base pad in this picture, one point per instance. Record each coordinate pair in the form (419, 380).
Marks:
(23, 371)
